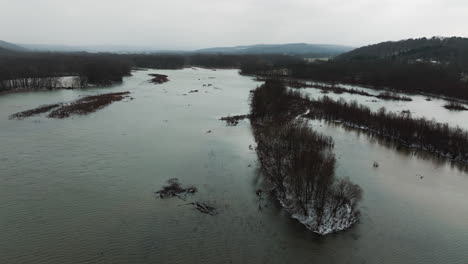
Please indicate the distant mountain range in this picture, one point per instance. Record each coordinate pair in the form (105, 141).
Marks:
(302, 49)
(92, 48)
(452, 50)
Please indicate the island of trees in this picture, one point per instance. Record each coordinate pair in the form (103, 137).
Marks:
(298, 163)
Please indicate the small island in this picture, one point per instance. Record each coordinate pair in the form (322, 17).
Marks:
(298, 163)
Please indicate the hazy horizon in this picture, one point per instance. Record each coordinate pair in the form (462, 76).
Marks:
(183, 25)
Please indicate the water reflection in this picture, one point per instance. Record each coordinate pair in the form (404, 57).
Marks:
(374, 138)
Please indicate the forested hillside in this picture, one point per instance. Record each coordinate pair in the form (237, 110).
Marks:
(436, 66)
(295, 49)
(435, 50)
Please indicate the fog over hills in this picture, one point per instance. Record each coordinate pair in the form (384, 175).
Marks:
(6, 47)
(290, 49)
(300, 49)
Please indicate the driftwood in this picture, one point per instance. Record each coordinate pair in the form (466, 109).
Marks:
(204, 208)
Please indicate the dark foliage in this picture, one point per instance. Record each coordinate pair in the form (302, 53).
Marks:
(445, 50)
(156, 61)
(410, 77)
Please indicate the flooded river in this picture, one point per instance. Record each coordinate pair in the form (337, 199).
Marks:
(81, 190)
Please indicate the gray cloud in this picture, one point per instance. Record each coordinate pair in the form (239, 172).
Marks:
(205, 23)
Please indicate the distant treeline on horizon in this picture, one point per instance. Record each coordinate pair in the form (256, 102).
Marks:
(435, 66)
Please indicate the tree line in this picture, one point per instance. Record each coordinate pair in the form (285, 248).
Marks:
(436, 66)
(440, 138)
(42, 70)
(405, 76)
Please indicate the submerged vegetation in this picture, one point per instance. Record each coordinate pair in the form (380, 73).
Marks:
(36, 111)
(234, 120)
(454, 106)
(299, 163)
(393, 96)
(158, 78)
(83, 106)
(390, 96)
(87, 105)
(175, 189)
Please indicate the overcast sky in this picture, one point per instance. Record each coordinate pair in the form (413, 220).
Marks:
(189, 24)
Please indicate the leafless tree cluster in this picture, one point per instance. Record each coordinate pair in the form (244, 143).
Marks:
(273, 103)
(426, 134)
(83, 106)
(30, 70)
(454, 106)
(298, 161)
(337, 89)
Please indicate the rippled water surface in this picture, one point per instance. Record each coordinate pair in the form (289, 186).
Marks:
(81, 190)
